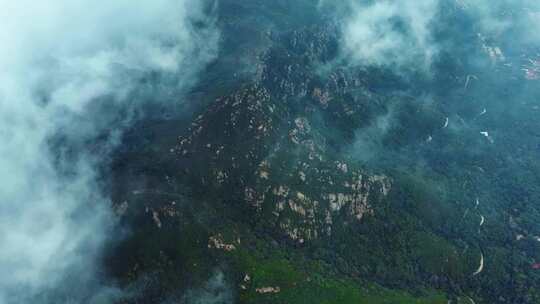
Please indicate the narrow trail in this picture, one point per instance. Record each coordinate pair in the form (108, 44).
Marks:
(468, 80)
(481, 267)
(481, 264)
(482, 221)
(483, 112)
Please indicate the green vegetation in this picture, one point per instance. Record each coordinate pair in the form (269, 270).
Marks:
(300, 283)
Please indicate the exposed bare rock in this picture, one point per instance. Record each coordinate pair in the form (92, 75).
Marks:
(264, 290)
(155, 217)
(264, 148)
(217, 242)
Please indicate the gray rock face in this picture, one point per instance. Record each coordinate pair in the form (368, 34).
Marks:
(262, 145)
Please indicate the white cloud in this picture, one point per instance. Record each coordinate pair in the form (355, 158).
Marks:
(400, 35)
(390, 33)
(56, 58)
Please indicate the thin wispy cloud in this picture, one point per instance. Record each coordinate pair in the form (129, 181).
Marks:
(390, 33)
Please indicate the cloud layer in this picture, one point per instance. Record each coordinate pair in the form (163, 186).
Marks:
(62, 63)
(403, 34)
(390, 33)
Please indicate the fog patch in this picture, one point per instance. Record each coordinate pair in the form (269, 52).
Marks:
(215, 291)
(402, 35)
(368, 142)
(393, 34)
(72, 74)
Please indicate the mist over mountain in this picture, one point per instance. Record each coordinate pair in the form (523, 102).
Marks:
(232, 151)
(73, 78)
